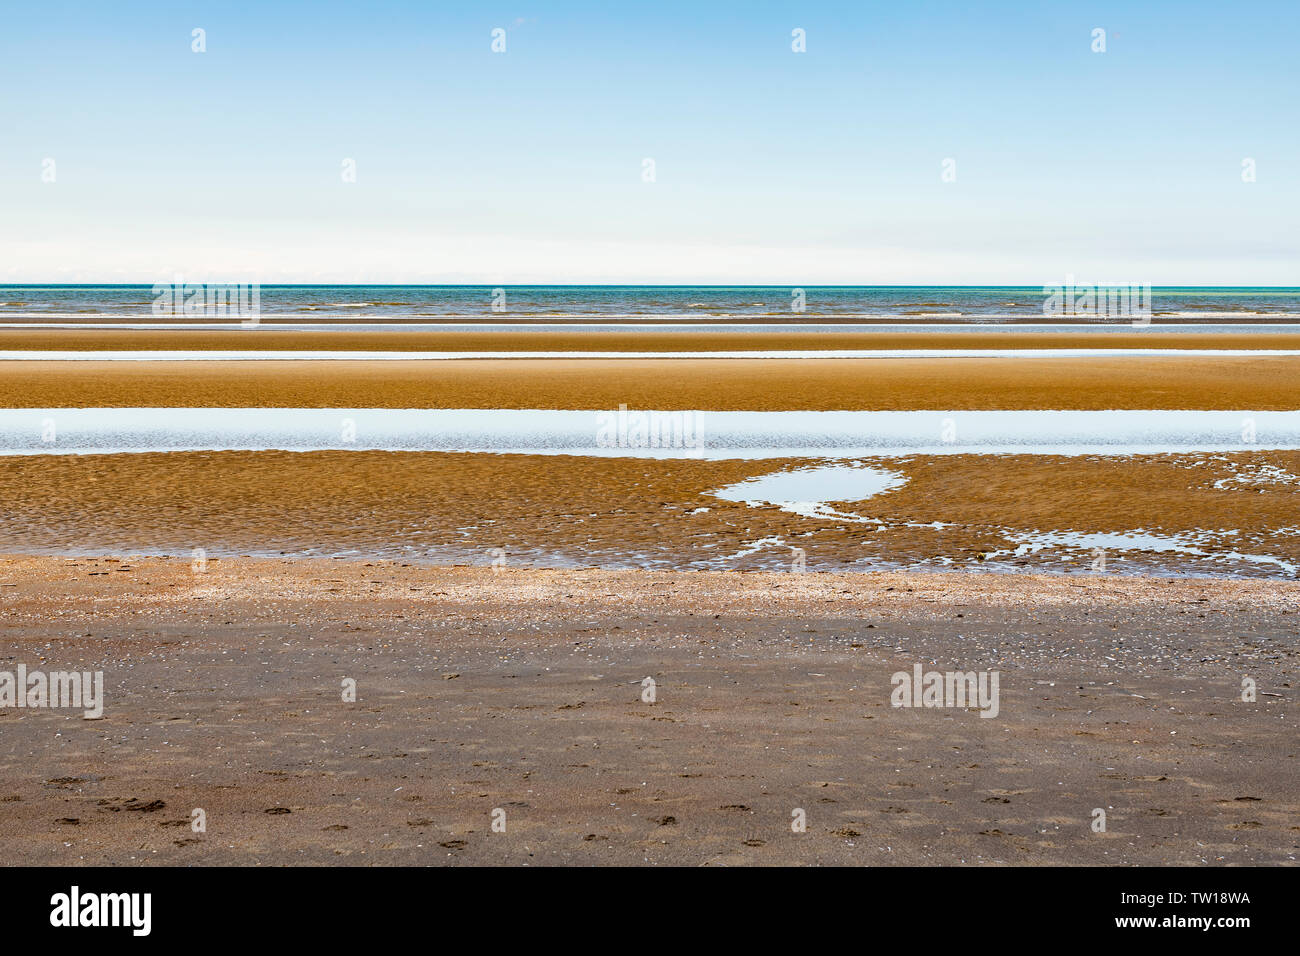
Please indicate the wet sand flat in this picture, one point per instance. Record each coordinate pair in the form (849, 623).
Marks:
(1167, 382)
(521, 691)
(961, 511)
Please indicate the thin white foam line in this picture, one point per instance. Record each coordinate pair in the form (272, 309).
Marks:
(612, 317)
(703, 318)
(277, 355)
(469, 322)
(268, 317)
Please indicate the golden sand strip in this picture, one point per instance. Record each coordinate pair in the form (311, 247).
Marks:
(1166, 382)
(643, 340)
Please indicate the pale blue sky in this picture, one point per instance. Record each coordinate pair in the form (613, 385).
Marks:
(771, 166)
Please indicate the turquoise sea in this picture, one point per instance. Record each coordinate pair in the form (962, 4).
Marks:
(426, 303)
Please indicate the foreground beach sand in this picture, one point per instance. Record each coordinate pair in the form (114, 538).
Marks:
(522, 691)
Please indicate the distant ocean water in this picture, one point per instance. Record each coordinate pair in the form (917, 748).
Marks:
(425, 303)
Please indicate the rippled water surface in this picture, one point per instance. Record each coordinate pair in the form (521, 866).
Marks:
(965, 304)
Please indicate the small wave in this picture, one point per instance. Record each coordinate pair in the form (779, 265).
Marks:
(1201, 313)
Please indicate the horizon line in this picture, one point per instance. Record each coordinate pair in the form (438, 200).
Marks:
(630, 285)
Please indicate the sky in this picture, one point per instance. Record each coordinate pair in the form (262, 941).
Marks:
(126, 156)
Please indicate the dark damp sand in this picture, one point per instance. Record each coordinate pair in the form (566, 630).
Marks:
(1173, 381)
(565, 510)
(522, 691)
